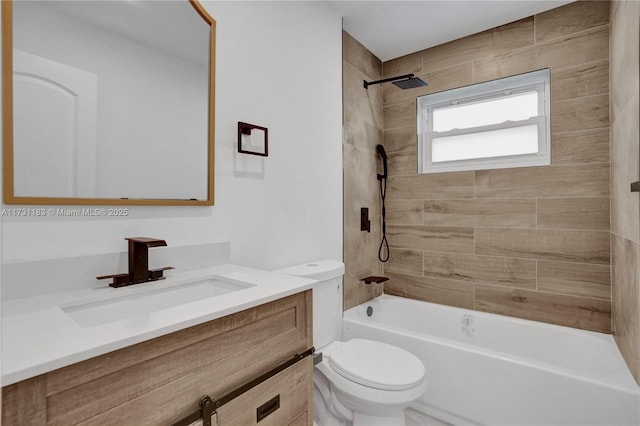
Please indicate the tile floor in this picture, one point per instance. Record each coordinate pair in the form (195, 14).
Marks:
(416, 418)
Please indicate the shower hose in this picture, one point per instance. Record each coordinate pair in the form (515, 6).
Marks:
(383, 251)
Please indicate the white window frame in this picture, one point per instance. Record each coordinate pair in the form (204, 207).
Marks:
(537, 80)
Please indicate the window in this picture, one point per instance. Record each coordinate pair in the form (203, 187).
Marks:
(497, 124)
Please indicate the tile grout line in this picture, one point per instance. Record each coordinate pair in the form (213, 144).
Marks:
(510, 228)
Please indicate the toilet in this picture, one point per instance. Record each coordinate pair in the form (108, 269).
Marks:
(359, 382)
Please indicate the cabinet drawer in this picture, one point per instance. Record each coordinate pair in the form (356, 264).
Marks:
(284, 399)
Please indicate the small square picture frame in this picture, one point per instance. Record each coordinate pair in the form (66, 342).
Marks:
(246, 129)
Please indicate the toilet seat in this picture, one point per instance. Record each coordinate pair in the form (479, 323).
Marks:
(376, 399)
(377, 365)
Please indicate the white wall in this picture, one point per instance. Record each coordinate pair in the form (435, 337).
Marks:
(278, 66)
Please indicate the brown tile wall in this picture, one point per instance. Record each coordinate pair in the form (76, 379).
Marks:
(527, 242)
(362, 124)
(625, 168)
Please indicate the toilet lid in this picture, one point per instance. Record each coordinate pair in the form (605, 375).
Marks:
(377, 365)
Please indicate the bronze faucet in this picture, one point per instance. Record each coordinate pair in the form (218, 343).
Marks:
(139, 271)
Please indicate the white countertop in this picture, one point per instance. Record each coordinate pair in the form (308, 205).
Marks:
(38, 336)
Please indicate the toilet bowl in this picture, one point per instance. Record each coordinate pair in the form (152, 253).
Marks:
(360, 381)
(368, 382)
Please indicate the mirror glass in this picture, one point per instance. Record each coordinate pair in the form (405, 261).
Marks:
(112, 100)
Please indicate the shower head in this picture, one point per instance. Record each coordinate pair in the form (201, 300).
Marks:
(407, 81)
(381, 152)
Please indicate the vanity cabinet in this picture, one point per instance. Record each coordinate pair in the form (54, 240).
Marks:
(160, 381)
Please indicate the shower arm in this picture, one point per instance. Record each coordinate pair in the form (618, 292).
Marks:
(386, 80)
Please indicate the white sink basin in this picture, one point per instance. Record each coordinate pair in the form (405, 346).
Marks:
(139, 304)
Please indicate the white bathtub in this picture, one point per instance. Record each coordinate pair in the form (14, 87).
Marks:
(496, 370)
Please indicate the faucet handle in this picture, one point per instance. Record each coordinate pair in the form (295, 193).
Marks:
(119, 280)
(149, 242)
(156, 274)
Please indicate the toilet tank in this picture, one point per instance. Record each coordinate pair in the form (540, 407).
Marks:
(327, 297)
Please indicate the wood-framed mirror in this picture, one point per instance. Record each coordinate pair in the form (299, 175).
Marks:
(108, 102)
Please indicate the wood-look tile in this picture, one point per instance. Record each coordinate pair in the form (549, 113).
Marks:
(487, 43)
(360, 248)
(362, 110)
(571, 311)
(355, 290)
(429, 289)
(624, 55)
(625, 168)
(401, 139)
(567, 259)
(589, 180)
(361, 260)
(400, 115)
(395, 287)
(504, 271)
(431, 186)
(437, 81)
(580, 80)
(591, 112)
(437, 238)
(404, 212)
(360, 57)
(574, 213)
(514, 213)
(404, 261)
(581, 48)
(359, 181)
(589, 146)
(576, 279)
(570, 19)
(362, 131)
(403, 163)
(542, 244)
(626, 300)
(407, 64)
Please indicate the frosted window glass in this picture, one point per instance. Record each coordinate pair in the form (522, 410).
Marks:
(495, 143)
(509, 108)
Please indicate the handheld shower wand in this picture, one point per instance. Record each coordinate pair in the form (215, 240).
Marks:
(384, 244)
(381, 152)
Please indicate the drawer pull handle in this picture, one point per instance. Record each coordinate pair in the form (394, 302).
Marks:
(267, 408)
